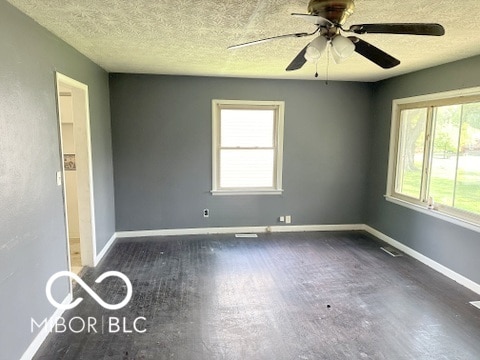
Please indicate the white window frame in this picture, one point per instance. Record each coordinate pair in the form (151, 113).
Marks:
(453, 215)
(279, 108)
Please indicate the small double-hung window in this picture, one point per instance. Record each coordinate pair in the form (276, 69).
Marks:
(247, 147)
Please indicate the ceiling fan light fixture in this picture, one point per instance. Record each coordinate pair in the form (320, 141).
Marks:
(316, 48)
(336, 57)
(310, 59)
(342, 48)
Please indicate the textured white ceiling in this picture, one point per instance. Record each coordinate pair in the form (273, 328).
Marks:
(191, 37)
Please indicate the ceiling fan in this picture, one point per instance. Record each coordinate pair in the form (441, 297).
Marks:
(329, 16)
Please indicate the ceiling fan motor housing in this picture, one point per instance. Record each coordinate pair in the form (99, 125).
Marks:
(337, 11)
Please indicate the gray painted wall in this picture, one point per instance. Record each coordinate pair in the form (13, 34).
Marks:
(452, 246)
(32, 227)
(162, 152)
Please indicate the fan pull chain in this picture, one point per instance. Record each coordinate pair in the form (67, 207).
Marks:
(316, 69)
(328, 63)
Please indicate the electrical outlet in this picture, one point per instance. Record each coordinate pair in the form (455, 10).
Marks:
(288, 219)
(281, 219)
(206, 213)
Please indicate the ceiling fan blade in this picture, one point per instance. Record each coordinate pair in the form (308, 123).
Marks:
(398, 28)
(374, 54)
(255, 42)
(298, 61)
(314, 19)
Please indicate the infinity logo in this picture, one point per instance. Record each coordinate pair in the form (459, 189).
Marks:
(93, 294)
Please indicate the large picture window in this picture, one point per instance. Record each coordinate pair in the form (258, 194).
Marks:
(435, 154)
(247, 147)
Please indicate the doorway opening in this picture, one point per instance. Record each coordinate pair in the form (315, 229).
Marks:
(74, 128)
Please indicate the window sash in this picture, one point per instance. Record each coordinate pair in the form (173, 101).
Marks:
(262, 171)
(236, 124)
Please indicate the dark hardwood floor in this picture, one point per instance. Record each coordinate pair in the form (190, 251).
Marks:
(280, 296)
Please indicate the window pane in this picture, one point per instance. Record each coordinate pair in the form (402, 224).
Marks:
(444, 156)
(246, 168)
(411, 152)
(247, 128)
(467, 190)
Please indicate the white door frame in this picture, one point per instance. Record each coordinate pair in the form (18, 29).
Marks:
(83, 150)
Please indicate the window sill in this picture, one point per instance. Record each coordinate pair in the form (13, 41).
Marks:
(435, 213)
(247, 192)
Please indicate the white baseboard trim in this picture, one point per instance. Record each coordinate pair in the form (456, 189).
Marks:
(44, 331)
(239, 229)
(305, 228)
(191, 231)
(102, 253)
(462, 280)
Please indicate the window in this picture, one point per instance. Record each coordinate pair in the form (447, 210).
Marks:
(247, 147)
(435, 153)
